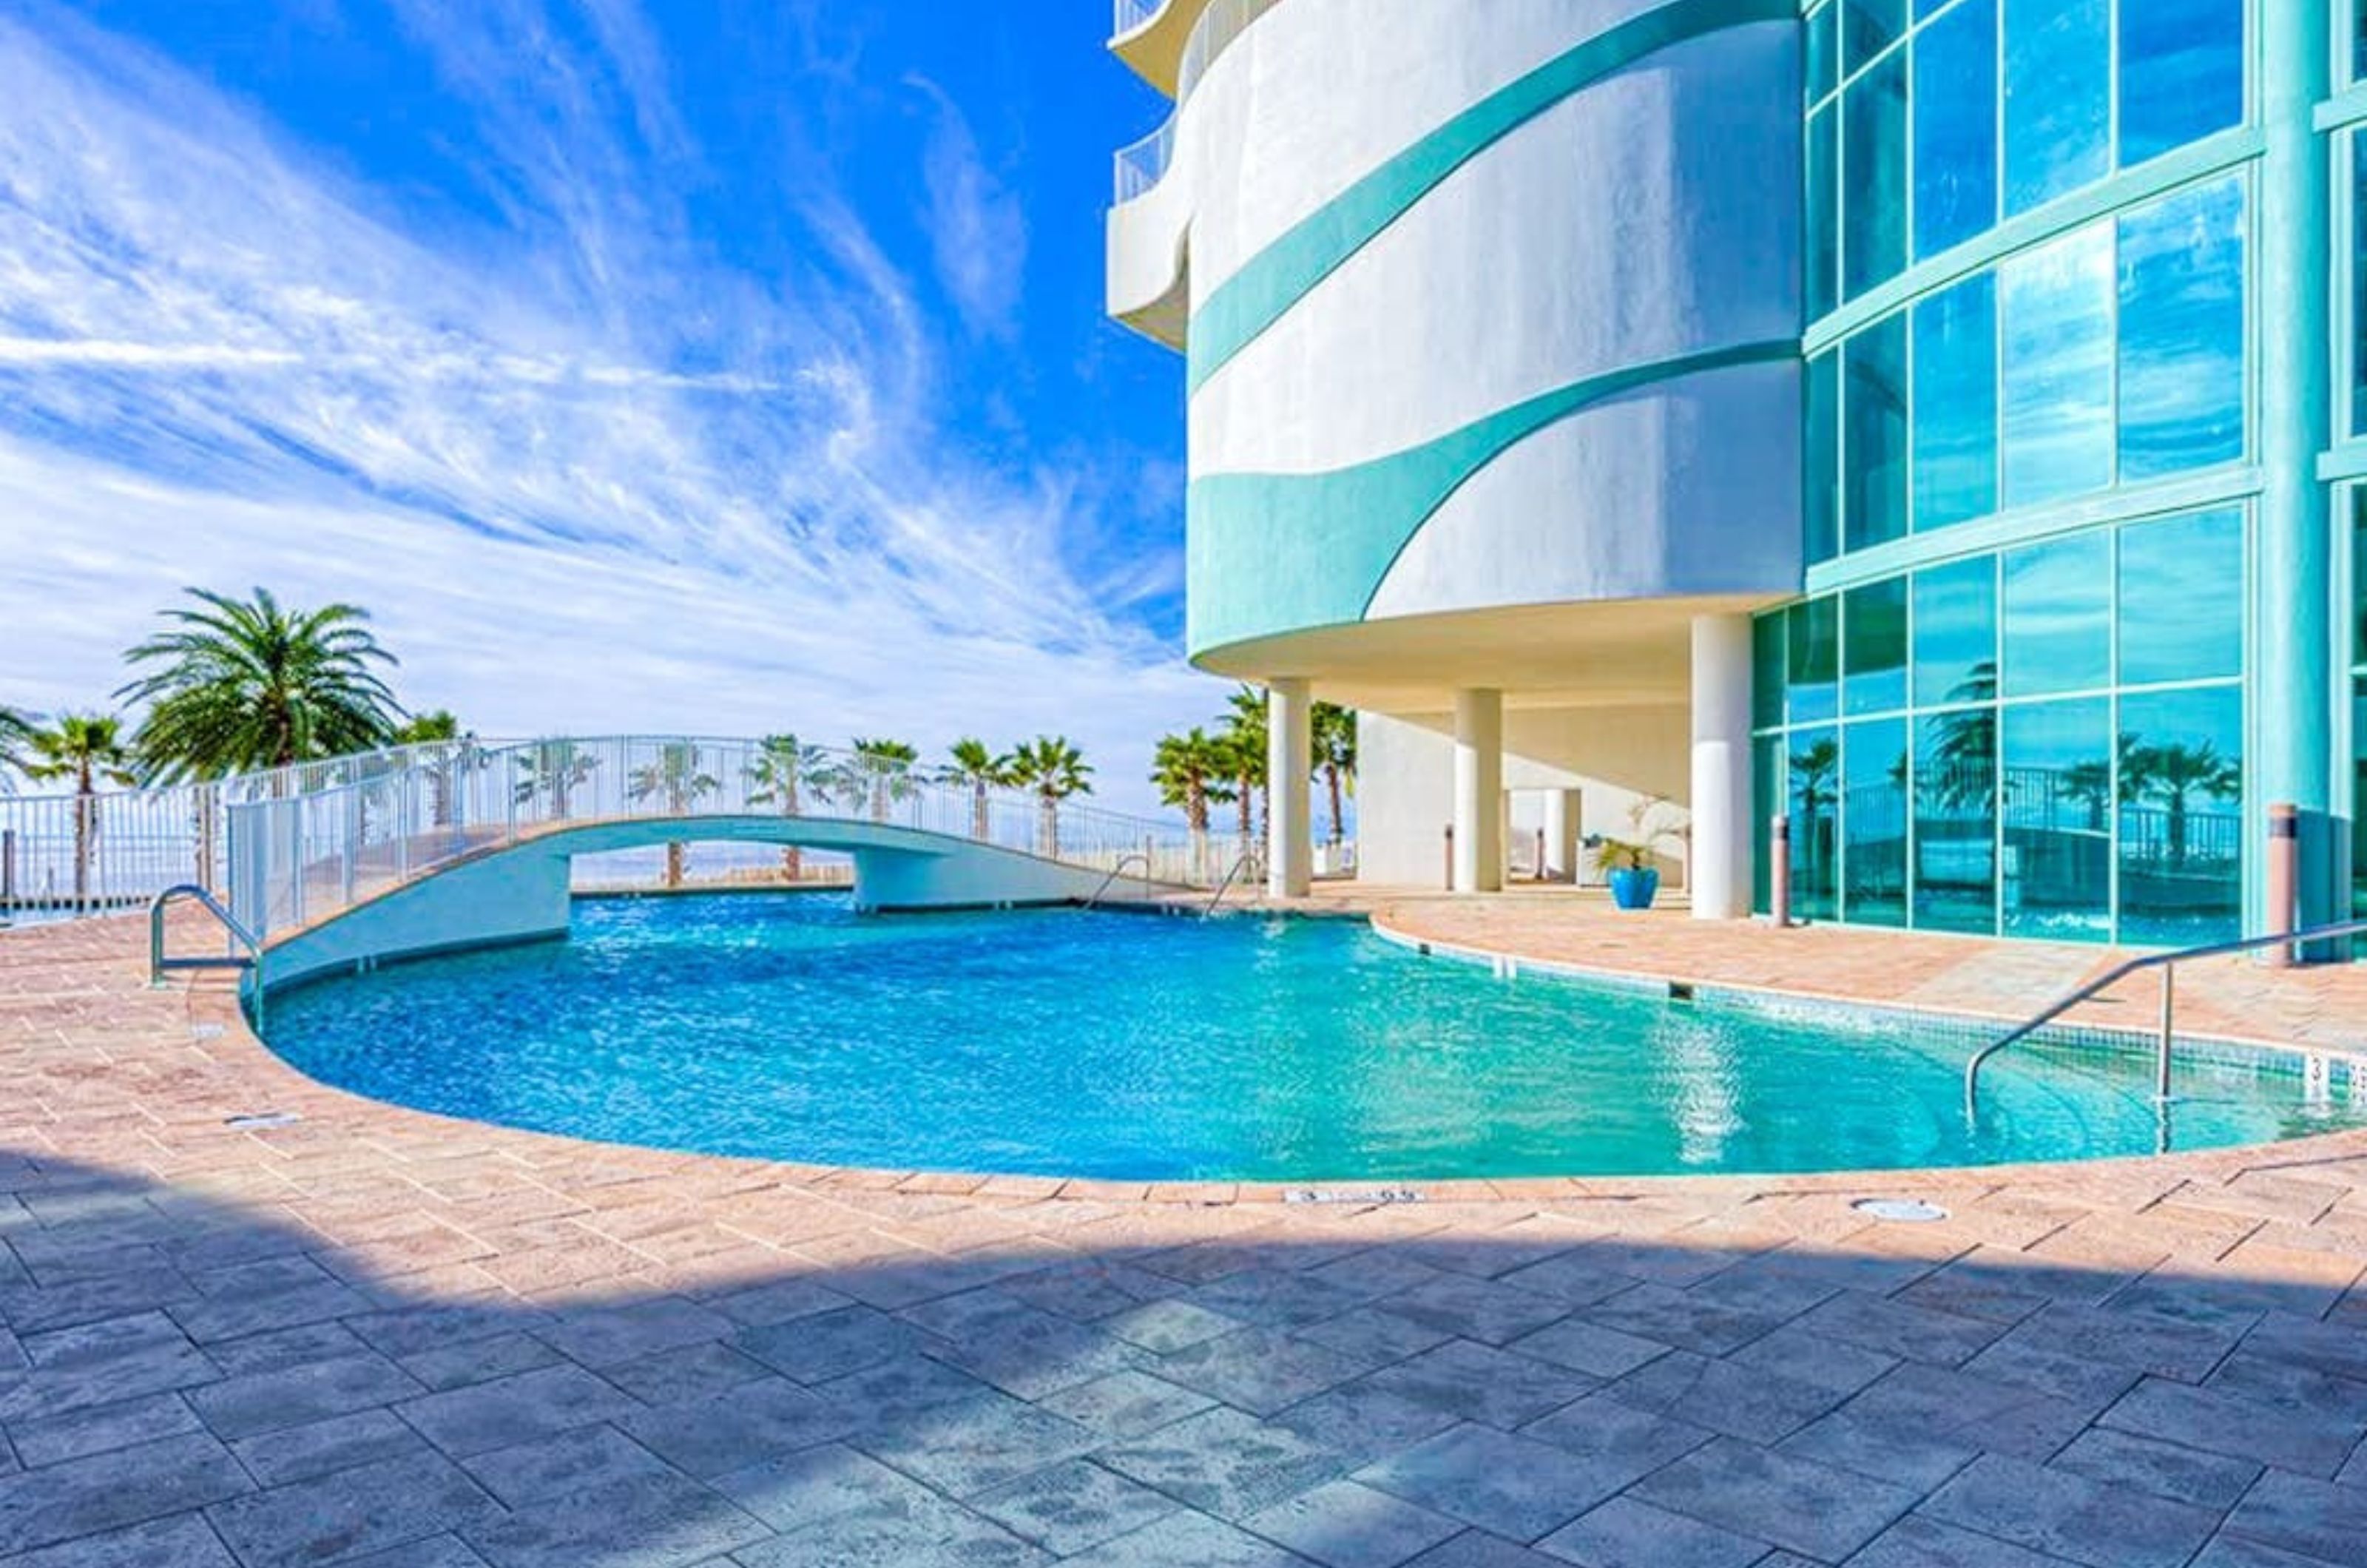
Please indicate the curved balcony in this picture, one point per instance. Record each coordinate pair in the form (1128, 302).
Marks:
(1152, 36)
(1135, 169)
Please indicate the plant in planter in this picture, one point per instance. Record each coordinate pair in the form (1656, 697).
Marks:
(1626, 864)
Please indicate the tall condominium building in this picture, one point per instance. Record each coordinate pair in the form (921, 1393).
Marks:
(1938, 423)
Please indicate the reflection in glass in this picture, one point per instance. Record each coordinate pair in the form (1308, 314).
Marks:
(2359, 575)
(1812, 790)
(1767, 672)
(1955, 820)
(1823, 217)
(1955, 633)
(2357, 283)
(2058, 417)
(1874, 153)
(2182, 332)
(1812, 639)
(1873, 648)
(1874, 413)
(2058, 602)
(2358, 802)
(2058, 82)
(2182, 819)
(1873, 817)
(1766, 759)
(1867, 27)
(2182, 74)
(2183, 598)
(1955, 404)
(1820, 465)
(1823, 53)
(2057, 830)
(1955, 127)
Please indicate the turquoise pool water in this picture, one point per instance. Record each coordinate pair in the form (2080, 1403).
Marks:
(1069, 1042)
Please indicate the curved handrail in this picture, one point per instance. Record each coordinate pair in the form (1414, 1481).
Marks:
(1240, 863)
(1129, 858)
(2166, 962)
(159, 964)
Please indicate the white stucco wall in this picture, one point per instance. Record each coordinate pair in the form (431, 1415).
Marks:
(1405, 784)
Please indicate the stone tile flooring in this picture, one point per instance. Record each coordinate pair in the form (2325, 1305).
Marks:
(371, 1337)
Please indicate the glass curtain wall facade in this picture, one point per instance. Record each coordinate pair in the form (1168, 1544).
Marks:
(2015, 700)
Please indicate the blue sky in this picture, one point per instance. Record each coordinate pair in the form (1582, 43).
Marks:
(641, 364)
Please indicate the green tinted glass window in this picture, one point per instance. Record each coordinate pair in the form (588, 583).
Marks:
(1955, 404)
(1812, 765)
(2057, 810)
(2181, 818)
(2059, 603)
(2182, 332)
(1955, 633)
(2183, 598)
(1873, 648)
(1873, 173)
(1873, 435)
(1813, 656)
(1767, 672)
(1955, 820)
(1875, 770)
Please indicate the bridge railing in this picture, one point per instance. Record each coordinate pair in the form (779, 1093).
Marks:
(300, 857)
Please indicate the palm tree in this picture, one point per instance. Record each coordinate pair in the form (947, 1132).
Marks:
(674, 774)
(1815, 775)
(16, 743)
(1191, 769)
(89, 749)
(2171, 774)
(552, 770)
(783, 766)
(1053, 770)
(1244, 739)
(976, 765)
(1333, 730)
(437, 728)
(235, 686)
(884, 771)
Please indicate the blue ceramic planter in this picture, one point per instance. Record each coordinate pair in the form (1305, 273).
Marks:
(1635, 889)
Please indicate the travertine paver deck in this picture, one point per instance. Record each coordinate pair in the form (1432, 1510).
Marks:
(376, 1336)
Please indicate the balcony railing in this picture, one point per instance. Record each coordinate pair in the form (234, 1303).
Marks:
(1218, 25)
(1132, 14)
(1144, 164)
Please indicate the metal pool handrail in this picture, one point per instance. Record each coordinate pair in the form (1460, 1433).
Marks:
(160, 964)
(2167, 963)
(1119, 870)
(1240, 863)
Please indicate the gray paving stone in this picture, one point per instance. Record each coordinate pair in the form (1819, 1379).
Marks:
(1488, 1310)
(915, 1528)
(1275, 1298)
(279, 1348)
(1765, 1286)
(2272, 1381)
(2234, 1552)
(1168, 1325)
(370, 1508)
(1741, 1402)
(1572, 1277)
(1681, 1319)
(1511, 1487)
(1377, 1272)
(435, 1551)
(690, 1372)
(1887, 1450)
(479, 1360)
(1625, 1533)
(586, 1461)
(1226, 1462)
(1896, 1328)
(1937, 1405)
(183, 1541)
(123, 1486)
(1478, 1549)
(970, 1445)
(1343, 1525)
(659, 1521)
(778, 1301)
(2146, 1342)
(103, 1363)
(1916, 1541)
(1261, 1371)
(340, 1442)
(236, 1316)
(1634, 1442)
(827, 1345)
(2166, 1469)
(406, 1331)
(1181, 1539)
(2066, 1515)
(814, 1486)
(1478, 1383)
(2338, 1351)
(2060, 1373)
(507, 1411)
(98, 1428)
(266, 1402)
(607, 1336)
(2294, 1513)
(1583, 1347)
(1369, 1332)
(737, 1427)
(1072, 1506)
(2307, 1442)
(1126, 1404)
(893, 1393)
(1365, 1421)
(1808, 1356)
(1818, 1510)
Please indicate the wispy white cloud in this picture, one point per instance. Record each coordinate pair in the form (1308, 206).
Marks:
(587, 476)
(976, 228)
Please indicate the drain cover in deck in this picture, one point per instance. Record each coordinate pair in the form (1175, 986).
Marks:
(1900, 1211)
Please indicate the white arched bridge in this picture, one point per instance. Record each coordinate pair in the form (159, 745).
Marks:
(467, 843)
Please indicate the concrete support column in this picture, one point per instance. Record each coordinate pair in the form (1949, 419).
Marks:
(1718, 873)
(1565, 810)
(1479, 791)
(2294, 682)
(1289, 762)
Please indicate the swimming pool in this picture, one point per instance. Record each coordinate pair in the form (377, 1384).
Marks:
(1121, 1045)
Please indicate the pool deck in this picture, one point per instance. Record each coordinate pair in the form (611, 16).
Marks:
(372, 1335)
